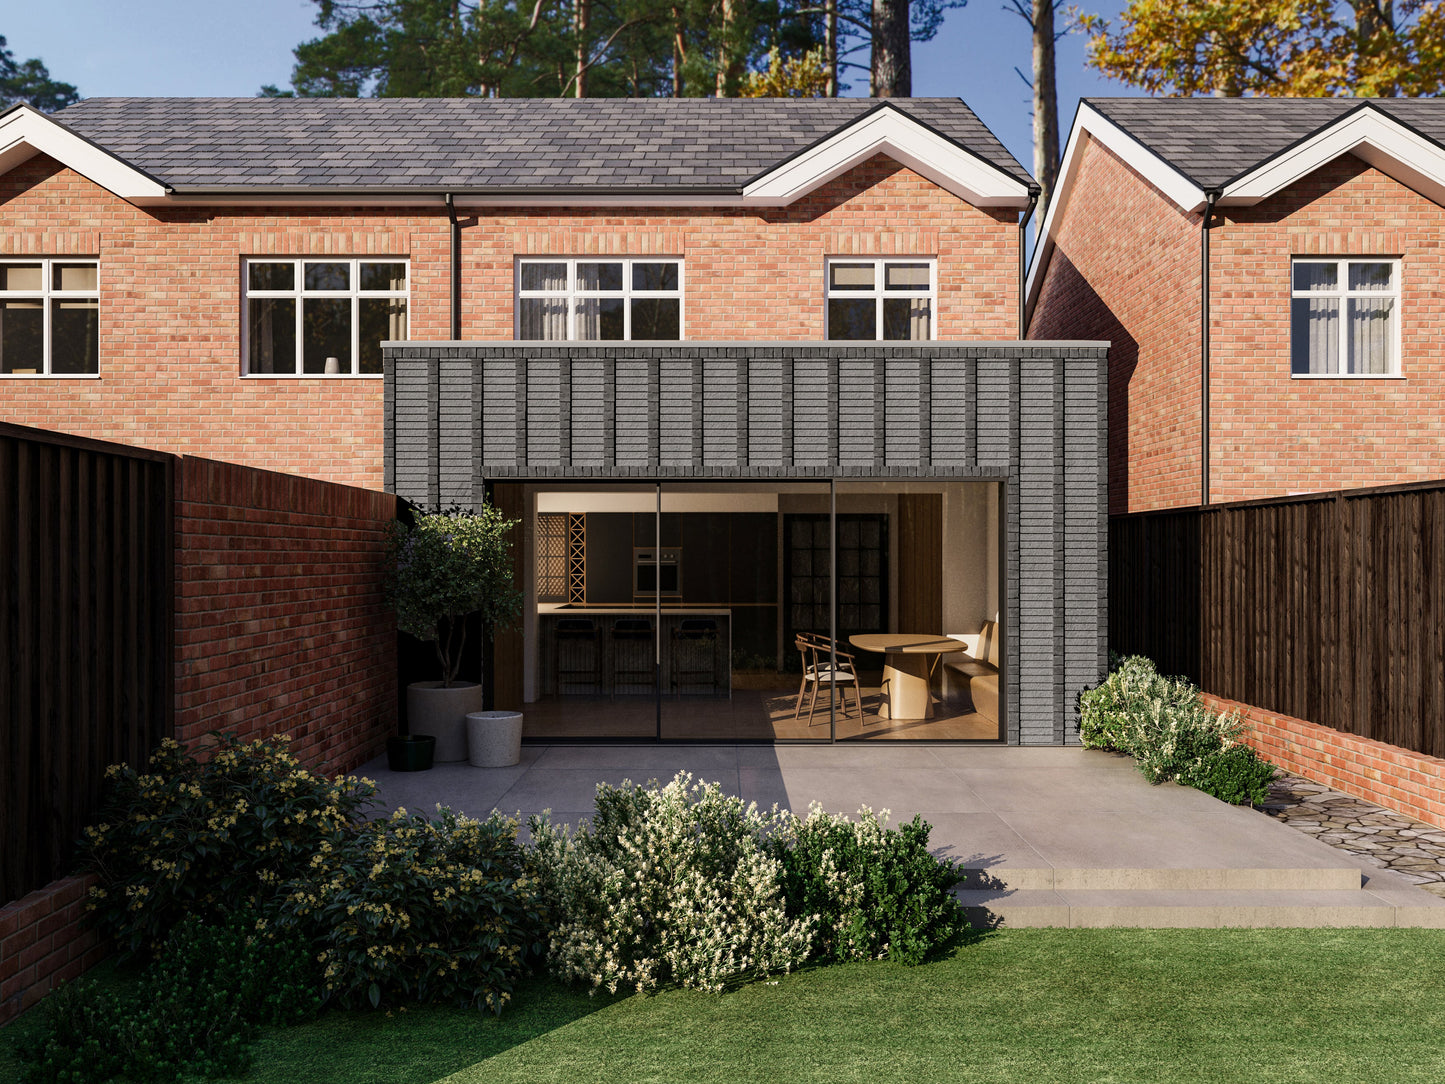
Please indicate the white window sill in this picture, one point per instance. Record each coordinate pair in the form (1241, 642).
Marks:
(49, 376)
(1347, 376)
(313, 376)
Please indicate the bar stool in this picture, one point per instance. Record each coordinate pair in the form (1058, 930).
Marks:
(694, 654)
(577, 655)
(633, 659)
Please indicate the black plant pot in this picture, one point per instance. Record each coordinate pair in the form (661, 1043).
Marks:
(410, 752)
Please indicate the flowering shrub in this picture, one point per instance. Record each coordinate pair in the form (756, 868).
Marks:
(445, 566)
(194, 1009)
(1164, 726)
(876, 892)
(667, 885)
(191, 837)
(409, 907)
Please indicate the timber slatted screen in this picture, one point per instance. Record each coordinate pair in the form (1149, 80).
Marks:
(1329, 608)
(85, 629)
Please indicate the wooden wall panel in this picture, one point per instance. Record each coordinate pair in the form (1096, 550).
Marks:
(507, 644)
(920, 563)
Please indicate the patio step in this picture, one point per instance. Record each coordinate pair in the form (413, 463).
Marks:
(1204, 909)
(1330, 877)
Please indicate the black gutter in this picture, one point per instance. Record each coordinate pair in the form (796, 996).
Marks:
(1210, 198)
(1023, 264)
(456, 275)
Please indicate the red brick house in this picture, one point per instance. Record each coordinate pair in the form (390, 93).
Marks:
(1323, 368)
(1308, 235)
(179, 270)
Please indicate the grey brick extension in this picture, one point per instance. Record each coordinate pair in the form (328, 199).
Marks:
(1031, 415)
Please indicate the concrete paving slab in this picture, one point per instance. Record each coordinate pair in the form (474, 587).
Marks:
(981, 842)
(862, 756)
(1229, 839)
(576, 788)
(902, 791)
(1013, 757)
(1066, 791)
(663, 760)
(1180, 910)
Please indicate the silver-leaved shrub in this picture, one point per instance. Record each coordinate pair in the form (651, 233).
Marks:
(672, 884)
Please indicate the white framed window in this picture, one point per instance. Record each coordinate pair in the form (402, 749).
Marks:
(322, 316)
(49, 317)
(599, 299)
(1345, 318)
(882, 299)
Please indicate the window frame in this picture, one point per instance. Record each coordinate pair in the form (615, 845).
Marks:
(572, 294)
(45, 296)
(1344, 294)
(879, 292)
(299, 294)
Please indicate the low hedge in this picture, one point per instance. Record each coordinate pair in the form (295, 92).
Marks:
(1162, 723)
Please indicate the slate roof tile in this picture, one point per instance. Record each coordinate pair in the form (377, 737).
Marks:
(479, 143)
(1213, 140)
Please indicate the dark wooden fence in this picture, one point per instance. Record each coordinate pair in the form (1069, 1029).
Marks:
(1327, 607)
(85, 631)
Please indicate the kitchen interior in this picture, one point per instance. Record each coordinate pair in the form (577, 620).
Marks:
(701, 624)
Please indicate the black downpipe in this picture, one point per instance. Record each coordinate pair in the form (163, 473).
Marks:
(1023, 264)
(456, 269)
(1210, 198)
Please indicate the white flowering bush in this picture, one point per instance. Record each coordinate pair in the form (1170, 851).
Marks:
(1162, 723)
(875, 892)
(673, 884)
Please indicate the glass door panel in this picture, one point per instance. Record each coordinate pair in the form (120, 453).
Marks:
(732, 668)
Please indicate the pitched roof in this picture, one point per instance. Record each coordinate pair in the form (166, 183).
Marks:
(1214, 140)
(641, 145)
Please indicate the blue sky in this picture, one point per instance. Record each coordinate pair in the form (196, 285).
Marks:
(140, 47)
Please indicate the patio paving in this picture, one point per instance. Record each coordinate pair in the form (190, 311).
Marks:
(1047, 836)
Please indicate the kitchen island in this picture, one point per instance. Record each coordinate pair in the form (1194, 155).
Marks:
(614, 650)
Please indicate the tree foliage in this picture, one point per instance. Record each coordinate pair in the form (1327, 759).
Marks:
(1369, 48)
(604, 48)
(29, 81)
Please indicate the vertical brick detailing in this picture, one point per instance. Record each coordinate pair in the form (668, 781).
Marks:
(44, 941)
(171, 303)
(1126, 269)
(280, 622)
(1400, 779)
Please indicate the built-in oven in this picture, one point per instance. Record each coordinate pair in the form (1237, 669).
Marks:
(656, 571)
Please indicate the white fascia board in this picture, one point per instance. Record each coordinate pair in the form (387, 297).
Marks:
(1088, 121)
(25, 132)
(890, 132)
(1369, 134)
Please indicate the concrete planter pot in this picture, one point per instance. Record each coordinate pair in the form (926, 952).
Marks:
(441, 712)
(494, 738)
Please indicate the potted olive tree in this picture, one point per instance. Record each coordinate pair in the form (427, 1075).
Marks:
(443, 568)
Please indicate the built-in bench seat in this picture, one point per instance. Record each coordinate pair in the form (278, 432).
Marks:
(977, 670)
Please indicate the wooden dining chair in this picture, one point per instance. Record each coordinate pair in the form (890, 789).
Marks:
(817, 656)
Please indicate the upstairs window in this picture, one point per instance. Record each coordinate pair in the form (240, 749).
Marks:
(49, 317)
(1345, 318)
(599, 300)
(881, 299)
(322, 317)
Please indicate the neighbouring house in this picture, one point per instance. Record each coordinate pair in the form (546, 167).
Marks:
(748, 373)
(1251, 542)
(1320, 367)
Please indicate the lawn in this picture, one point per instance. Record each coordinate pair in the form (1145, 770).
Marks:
(1036, 1006)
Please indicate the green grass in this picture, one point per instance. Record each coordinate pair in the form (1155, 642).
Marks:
(1035, 1006)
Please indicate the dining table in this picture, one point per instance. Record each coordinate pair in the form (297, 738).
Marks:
(909, 660)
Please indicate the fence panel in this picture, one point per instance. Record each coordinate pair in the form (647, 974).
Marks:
(85, 604)
(1327, 607)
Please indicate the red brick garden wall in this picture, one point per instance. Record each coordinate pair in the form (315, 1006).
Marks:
(280, 622)
(1400, 779)
(44, 941)
(171, 301)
